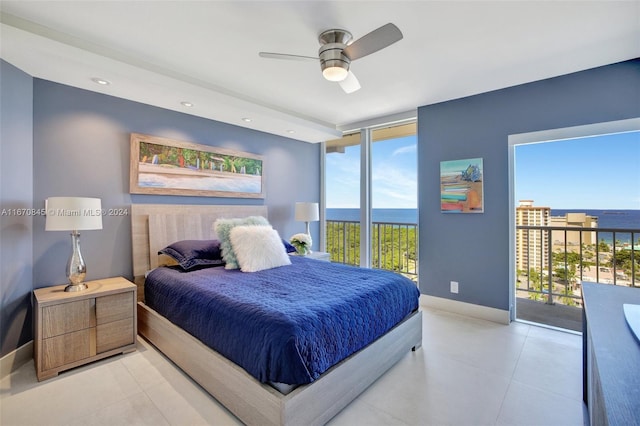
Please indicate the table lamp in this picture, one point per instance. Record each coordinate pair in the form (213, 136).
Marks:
(74, 214)
(307, 212)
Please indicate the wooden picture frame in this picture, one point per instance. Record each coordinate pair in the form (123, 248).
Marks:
(165, 166)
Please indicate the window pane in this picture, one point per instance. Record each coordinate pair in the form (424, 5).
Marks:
(394, 202)
(393, 234)
(342, 183)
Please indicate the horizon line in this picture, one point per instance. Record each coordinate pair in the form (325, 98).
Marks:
(552, 208)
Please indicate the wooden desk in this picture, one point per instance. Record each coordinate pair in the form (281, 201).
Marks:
(611, 356)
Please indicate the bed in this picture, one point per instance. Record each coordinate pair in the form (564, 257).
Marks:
(317, 395)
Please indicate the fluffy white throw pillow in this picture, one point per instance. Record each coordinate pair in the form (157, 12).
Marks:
(258, 248)
(223, 228)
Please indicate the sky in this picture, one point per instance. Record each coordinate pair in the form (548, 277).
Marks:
(394, 176)
(601, 172)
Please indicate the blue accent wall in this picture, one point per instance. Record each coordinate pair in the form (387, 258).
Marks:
(16, 195)
(81, 143)
(64, 141)
(473, 249)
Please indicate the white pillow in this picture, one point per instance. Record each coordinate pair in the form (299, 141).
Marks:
(258, 248)
(222, 229)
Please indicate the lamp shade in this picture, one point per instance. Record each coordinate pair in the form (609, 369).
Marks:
(73, 214)
(307, 212)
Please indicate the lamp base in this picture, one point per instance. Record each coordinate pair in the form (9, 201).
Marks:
(76, 287)
(76, 268)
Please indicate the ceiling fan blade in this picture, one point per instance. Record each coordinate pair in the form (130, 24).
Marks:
(377, 39)
(271, 55)
(350, 84)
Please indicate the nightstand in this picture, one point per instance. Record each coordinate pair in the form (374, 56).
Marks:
(72, 329)
(320, 255)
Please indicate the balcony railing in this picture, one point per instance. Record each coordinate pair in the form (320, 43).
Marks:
(553, 261)
(394, 246)
(575, 254)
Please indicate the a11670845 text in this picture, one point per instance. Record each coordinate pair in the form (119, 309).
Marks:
(64, 212)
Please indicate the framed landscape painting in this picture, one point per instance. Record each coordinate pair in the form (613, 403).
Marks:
(461, 189)
(171, 167)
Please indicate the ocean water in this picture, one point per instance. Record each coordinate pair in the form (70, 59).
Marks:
(613, 219)
(379, 215)
(618, 219)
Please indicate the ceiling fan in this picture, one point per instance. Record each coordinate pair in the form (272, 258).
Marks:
(336, 52)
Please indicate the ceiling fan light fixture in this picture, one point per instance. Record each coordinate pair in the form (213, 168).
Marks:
(335, 73)
(336, 52)
(334, 65)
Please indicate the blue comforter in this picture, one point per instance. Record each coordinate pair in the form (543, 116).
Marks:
(288, 324)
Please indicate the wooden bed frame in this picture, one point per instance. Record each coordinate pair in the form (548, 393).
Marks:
(155, 226)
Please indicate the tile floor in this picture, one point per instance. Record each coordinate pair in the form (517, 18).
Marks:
(468, 372)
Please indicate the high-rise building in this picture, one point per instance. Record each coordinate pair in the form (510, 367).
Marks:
(573, 239)
(532, 246)
(532, 249)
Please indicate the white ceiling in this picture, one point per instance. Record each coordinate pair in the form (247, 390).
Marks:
(206, 52)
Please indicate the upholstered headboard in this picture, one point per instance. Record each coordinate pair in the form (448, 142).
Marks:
(154, 226)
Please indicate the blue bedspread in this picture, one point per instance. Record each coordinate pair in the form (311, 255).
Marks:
(288, 324)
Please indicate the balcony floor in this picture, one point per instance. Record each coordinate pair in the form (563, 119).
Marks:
(558, 315)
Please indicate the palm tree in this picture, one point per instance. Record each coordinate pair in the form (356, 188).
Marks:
(536, 279)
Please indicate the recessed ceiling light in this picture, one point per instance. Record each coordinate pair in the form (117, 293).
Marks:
(246, 120)
(187, 104)
(291, 131)
(101, 81)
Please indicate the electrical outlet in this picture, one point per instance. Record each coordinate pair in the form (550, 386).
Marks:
(454, 286)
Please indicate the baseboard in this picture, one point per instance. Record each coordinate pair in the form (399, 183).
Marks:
(14, 360)
(467, 309)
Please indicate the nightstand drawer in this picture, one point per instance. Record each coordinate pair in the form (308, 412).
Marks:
(67, 348)
(114, 335)
(67, 317)
(114, 308)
